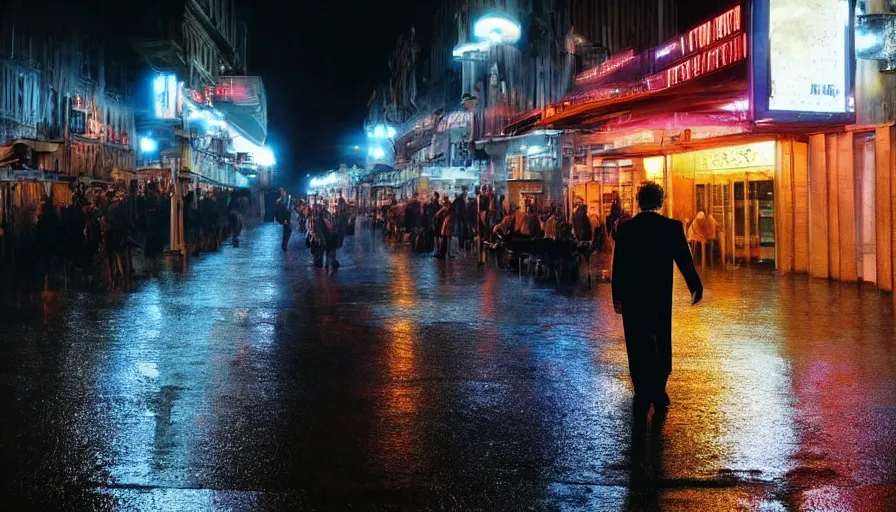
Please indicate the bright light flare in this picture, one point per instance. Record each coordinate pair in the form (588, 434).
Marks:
(866, 41)
(737, 106)
(498, 28)
(148, 145)
(462, 49)
(264, 157)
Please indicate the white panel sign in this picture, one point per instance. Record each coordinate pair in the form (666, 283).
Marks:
(808, 52)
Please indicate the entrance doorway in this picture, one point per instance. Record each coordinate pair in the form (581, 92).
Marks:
(741, 205)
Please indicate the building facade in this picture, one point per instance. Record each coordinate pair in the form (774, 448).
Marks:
(201, 120)
(750, 123)
(66, 106)
(462, 113)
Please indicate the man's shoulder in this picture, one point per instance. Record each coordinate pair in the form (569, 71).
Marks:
(675, 223)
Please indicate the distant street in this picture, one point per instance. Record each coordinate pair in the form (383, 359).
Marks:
(251, 381)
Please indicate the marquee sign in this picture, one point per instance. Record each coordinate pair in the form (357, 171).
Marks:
(759, 154)
(802, 60)
(710, 60)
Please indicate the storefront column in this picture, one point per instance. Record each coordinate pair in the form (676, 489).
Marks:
(832, 158)
(847, 201)
(818, 208)
(800, 206)
(884, 167)
(783, 206)
(892, 221)
(667, 185)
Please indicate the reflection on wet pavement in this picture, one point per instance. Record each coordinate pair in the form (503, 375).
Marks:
(252, 381)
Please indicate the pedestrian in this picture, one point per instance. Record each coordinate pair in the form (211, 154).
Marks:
(483, 222)
(550, 226)
(236, 211)
(460, 222)
(221, 203)
(335, 237)
(283, 217)
(581, 224)
(432, 230)
(208, 209)
(323, 239)
(444, 226)
(646, 247)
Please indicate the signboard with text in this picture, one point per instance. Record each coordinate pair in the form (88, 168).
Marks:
(802, 65)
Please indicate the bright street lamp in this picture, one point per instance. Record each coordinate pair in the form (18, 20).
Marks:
(497, 28)
(148, 145)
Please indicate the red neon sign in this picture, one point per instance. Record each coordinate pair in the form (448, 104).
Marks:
(610, 66)
(713, 31)
(713, 59)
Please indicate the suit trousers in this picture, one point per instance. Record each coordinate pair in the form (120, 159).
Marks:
(287, 233)
(648, 342)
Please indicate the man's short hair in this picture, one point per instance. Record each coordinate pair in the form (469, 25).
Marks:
(650, 197)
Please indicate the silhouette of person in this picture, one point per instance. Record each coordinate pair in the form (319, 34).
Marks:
(646, 247)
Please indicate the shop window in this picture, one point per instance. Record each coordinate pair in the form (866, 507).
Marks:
(78, 124)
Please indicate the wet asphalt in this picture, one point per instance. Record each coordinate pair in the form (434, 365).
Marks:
(251, 381)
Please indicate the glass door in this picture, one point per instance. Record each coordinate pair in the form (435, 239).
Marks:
(763, 217)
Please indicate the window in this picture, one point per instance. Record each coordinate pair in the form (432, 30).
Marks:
(78, 122)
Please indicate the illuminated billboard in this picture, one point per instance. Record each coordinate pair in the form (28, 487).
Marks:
(165, 89)
(802, 59)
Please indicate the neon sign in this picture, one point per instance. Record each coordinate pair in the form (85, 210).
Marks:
(720, 27)
(165, 89)
(708, 61)
(610, 66)
(698, 38)
(808, 55)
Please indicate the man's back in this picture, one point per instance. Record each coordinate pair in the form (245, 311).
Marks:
(646, 247)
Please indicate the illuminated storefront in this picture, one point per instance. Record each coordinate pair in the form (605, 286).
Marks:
(749, 121)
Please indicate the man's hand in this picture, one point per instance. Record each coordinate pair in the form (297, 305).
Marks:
(617, 305)
(696, 297)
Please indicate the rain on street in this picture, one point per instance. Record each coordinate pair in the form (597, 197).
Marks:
(250, 380)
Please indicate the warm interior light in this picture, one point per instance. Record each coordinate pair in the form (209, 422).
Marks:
(653, 168)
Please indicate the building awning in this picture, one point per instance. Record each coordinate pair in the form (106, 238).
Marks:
(39, 145)
(243, 101)
(26, 173)
(713, 90)
(205, 179)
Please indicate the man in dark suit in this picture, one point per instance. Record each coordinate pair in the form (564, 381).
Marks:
(646, 246)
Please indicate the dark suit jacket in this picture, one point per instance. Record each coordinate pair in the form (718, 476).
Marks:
(646, 246)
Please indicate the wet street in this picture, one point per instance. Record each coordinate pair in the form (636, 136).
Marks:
(251, 381)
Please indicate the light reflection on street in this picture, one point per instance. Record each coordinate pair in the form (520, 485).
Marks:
(415, 382)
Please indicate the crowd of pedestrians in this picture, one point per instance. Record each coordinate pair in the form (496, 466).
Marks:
(484, 223)
(324, 228)
(90, 242)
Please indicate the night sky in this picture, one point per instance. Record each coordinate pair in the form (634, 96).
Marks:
(320, 62)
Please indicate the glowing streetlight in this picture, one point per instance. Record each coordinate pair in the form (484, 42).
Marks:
(148, 145)
(498, 28)
(264, 157)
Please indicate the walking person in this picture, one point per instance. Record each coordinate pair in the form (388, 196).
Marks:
(283, 216)
(237, 210)
(646, 246)
(444, 226)
(460, 223)
(323, 239)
